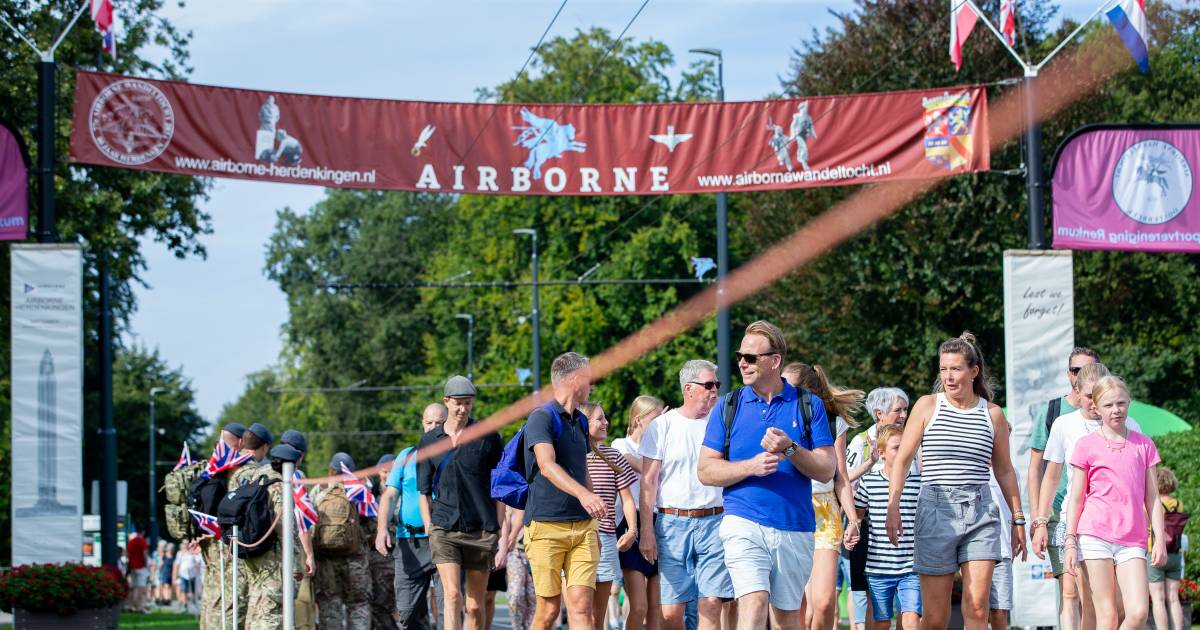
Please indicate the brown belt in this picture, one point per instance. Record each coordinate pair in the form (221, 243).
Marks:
(691, 513)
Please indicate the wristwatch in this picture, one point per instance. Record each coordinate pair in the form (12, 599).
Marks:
(789, 451)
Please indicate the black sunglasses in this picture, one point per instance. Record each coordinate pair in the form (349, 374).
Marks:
(751, 359)
(1075, 370)
(709, 385)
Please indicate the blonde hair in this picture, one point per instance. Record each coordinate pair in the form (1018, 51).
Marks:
(838, 401)
(1090, 373)
(1106, 385)
(642, 406)
(1167, 481)
(774, 335)
(592, 411)
(886, 434)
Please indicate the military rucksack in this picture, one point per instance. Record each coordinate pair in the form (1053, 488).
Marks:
(176, 485)
(249, 508)
(338, 532)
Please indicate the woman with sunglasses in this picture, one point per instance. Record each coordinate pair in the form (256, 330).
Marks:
(641, 576)
(828, 498)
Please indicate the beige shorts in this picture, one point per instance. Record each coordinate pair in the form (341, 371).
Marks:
(828, 534)
(558, 549)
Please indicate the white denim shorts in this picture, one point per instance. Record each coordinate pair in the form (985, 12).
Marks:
(1092, 548)
(762, 558)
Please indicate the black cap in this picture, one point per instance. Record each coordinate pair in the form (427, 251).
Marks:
(236, 428)
(262, 432)
(295, 439)
(286, 453)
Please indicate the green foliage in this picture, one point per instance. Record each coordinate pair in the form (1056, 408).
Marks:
(1178, 452)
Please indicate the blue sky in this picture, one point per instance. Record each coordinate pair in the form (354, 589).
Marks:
(220, 318)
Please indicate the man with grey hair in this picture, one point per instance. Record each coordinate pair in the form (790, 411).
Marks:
(560, 531)
(681, 516)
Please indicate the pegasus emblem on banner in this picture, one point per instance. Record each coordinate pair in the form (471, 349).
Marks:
(545, 138)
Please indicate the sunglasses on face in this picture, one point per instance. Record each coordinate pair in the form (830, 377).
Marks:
(750, 358)
(1075, 370)
(708, 385)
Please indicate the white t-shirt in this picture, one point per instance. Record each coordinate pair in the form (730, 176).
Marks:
(859, 451)
(1005, 517)
(626, 446)
(190, 565)
(827, 486)
(1066, 432)
(675, 441)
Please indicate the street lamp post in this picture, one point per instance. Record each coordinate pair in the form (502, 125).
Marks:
(537, 325)
(724, 356)
(153, 526)
(470, 344)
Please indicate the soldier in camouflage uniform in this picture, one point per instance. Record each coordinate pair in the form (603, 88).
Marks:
(306, 603)
(210, 550)
(343, 582)
(255, 441)
(383, 569)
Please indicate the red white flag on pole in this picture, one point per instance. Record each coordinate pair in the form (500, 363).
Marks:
(102, 15)
(962, 20)
(1008, 21)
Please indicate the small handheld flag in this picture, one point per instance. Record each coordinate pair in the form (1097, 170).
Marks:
(207, 524)
(1128, 17)
(185, 458)
(223, 458)
(359, 494)
(306, 512)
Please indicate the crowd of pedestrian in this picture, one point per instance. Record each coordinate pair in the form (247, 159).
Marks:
(749, 511)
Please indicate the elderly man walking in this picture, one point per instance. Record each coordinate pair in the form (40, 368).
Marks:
(765, 443)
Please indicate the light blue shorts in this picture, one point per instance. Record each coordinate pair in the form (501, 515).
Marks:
(609, 569)
(886, 589)
(860, 606)
(691, 558)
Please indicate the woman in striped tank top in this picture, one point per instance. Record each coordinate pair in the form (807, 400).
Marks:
(962, 436)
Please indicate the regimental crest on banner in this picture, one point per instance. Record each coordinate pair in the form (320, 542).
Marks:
(948, 140)
(546, 139)
(131, 121)
(1152, 182)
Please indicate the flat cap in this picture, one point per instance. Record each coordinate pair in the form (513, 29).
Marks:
(341, 459)
(295, 439)
(236, 428)
(458, 387)
(286, 453)
(262, 432)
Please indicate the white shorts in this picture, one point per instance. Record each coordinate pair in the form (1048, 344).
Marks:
(761, 558)
(1092, 548)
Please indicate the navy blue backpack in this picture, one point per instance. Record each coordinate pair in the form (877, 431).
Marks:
(509, 485)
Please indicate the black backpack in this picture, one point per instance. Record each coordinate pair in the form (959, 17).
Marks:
(249, 507)
(729, 407)
(205, 494)
(1053, 411)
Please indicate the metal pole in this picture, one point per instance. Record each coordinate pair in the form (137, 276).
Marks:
(1033, 164)
(234, 545)
(221, 547)
(537, 324)
(153, 528)
(45, 136)
(288, 518)
(108, 433)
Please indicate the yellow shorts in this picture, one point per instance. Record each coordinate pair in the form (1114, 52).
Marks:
(828, 534)
(558, 549)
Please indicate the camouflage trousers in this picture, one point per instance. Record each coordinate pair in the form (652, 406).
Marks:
(210, 602)
(264, 577)
(343, 587)
(383, 594)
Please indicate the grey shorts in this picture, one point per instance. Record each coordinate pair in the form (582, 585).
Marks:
(955, 525)
(1002, 586)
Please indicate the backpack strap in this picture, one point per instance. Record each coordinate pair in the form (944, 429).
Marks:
(729, 407)
(437, 473)
(1053, 411)
(805, 407)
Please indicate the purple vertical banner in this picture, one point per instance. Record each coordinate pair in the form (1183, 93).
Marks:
(14, 185)
(1128, 187)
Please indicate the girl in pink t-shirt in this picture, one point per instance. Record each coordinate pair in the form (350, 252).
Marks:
(1114, 485)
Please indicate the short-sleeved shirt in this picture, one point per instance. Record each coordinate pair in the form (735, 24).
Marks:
(1041, 434)
(675, 440)
(546, 502)
(626, 446)
(607, 483)
(1115, 498)
(884, 558)
(783, 499)
(827, 486)
(136, 550)
(1068, 429)
(462, 500)
(403, 478)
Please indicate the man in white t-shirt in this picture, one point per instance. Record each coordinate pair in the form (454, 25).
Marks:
(681, 516)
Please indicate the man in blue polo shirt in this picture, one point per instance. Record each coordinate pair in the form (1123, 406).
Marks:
(767, 472)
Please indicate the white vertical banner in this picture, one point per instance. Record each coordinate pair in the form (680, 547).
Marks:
(1039, 334)
(47, 403)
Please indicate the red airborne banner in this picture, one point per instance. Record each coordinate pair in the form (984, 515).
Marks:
(534, 149)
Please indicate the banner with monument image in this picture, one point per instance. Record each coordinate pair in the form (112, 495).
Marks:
(47, 403)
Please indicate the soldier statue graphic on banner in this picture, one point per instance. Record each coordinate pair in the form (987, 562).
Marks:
(802, 130)
(779, 143)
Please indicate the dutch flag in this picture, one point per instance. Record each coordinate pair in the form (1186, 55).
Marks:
(1129, 18)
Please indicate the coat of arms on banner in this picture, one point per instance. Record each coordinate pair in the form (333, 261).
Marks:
(948, 140)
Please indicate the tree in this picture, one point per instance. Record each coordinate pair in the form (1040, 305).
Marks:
(108, 210)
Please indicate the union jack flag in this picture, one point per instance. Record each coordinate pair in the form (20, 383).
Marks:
(306, 512)
(185, 458)
(360, 494)
(207, 524)
(223, 458)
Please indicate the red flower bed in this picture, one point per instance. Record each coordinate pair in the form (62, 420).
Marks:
(61, 588)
